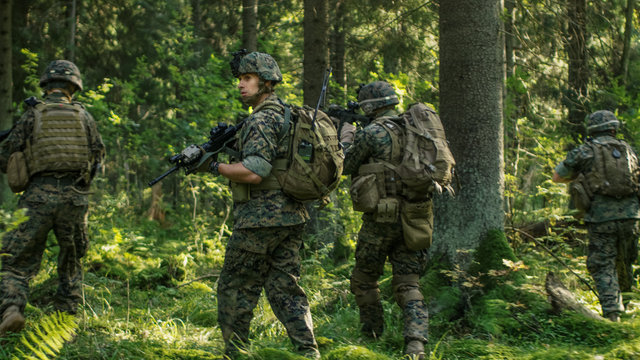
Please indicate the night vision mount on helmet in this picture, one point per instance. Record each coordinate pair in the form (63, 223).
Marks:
(62, 70)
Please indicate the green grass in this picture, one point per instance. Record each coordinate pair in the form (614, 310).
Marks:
(149, 293)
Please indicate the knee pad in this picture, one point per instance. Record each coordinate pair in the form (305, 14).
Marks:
(365, 288)
(406, 288)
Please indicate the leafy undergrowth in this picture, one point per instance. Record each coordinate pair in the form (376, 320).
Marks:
(150, 293)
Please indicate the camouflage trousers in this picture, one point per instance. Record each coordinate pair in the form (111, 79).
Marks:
(49, 207)
(376, 242)
(245, 273)
(613, 249)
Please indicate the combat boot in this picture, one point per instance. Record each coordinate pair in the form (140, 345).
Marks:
(614, 317)
(415, 350)
(12, 320)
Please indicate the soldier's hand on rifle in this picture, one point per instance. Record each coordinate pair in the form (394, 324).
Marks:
(347, 133)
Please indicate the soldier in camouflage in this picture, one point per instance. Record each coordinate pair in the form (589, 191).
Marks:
(63, 150)
(612, 221)
(263, 251)
(376, 241)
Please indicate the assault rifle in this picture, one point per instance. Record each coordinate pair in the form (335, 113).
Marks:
(193, 155)
(348, 115)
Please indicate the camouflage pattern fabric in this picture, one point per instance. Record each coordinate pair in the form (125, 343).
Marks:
(613, 233)
(376, 242)
(603, 208)
(613, 249)
(262, 64)
(62, 70)
(244, 275)
(376, 95)
(16, 141)
(49, 207)
(52, 203)
(260, 146)
(371, 142)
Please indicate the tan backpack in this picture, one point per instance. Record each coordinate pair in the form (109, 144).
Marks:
(427, 163)
(316, 160)
(615, 168)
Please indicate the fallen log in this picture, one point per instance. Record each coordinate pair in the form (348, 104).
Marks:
(562, 299)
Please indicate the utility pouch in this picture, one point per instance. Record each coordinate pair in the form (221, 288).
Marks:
(17, 172)
(240, 192)
(417, 224)
(387, 211)
(580, 195)
(364, 193)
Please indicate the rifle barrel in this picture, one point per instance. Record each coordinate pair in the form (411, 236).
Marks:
(166, 173)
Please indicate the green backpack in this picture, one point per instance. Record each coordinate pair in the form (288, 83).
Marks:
(315, 158)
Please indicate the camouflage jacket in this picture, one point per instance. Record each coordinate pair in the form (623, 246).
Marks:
(371, 142)
(17, 140)
(603, 208)
(259, 146)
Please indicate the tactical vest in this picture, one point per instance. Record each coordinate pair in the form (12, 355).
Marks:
(615, 168)
(59, 141)
(387, 182)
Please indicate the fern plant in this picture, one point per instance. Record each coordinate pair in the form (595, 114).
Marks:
(45, 340)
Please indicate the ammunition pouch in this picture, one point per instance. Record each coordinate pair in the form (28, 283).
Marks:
(364, 193)
(417, 224)
(17, 172)
(581, 194)
(387, 211)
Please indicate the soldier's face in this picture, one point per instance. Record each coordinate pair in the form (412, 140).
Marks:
(248, 85)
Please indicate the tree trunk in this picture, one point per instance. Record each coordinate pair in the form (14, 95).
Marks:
(510, 38)
(72, 30)
(6, 83)
(577, 94)
(471, 82)
(316, 48)
(626, 51)
(250, 25)
(338, 48)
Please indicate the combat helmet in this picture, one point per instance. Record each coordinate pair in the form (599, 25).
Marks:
(62, 70)
(256, 62)
(376, 95)
(602, 120)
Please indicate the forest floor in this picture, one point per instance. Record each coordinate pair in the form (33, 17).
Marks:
(167, 310)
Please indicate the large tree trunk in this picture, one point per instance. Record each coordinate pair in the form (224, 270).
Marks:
(6, 82)
(626, 51)
(316, 48)
(71, 52)
(250, 25)
(471, 82)
(577, 94)
(338, 48)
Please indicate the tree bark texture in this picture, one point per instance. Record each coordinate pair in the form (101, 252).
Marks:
(471, 83)
(626, 50)
(6, 82)
(316, 48)
(250, 25)
(577, 94)
(338, 47)
(72, 31)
